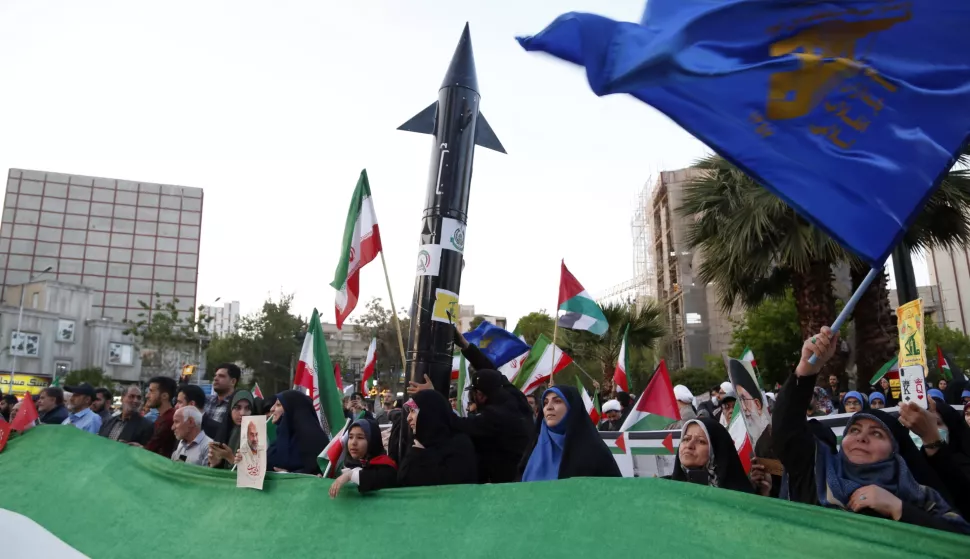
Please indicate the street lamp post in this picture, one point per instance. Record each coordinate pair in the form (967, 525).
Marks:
(20, 320)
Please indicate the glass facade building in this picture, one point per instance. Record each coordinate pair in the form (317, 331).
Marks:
(126, 240)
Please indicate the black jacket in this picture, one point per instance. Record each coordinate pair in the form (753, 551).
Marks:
(501, 432)
(446, 456)
(378, 471)
(55, 417)
(584, 453)
(136, 430)
(795, 446)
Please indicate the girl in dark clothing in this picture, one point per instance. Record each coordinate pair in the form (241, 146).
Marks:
(299, 437)
(440, 455)
(365, 462)
(867, 475)
(226, 443)
(567, 443)
(707, 456)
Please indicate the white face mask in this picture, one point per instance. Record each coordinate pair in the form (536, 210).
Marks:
(715, 401)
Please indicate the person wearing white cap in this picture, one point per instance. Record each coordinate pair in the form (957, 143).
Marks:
(685, 402)
(728, 397)
(612, 416)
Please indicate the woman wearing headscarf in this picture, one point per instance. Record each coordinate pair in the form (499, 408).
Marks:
(877, 401)
(366, 464)
(299, 437)
(852, 402)
(707, 456)
(867, 475)
(567, 443)
(224, 447)
(439, 455)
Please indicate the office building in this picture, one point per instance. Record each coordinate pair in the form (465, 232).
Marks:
(125, 240)
(950, 272)
(466, 314)
(225, 319)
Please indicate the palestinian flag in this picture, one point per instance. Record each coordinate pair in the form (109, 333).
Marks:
(315, 372)
(257, 393)
(657, 407)
(942, 364)
(582, 312)
(329, 458)
(369, 365)
(742, 442)
(544, 360)
(592, 404)
(464, 381)
(361, 243)
(620, 380)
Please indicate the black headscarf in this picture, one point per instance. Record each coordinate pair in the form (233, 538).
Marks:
(584, 453)
(228, 430)
(433, 425)
(299, 437)
(724, 468)
(375, 443)
(956, 425)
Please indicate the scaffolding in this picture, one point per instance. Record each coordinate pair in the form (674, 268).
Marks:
(644, 281)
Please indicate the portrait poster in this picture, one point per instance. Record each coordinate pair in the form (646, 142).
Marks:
(252, 445)
(754, 405)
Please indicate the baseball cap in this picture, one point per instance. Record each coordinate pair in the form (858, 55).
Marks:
(487, 381)
(84, 389)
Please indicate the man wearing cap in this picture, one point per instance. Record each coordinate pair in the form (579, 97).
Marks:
(81, 415)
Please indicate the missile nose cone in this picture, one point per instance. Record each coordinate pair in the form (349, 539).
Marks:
(461, 71)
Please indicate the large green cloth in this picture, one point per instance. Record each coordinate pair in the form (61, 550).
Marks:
(109, 500)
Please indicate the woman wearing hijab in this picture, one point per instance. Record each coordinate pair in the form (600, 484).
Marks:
(366, 464)
(439, 454)
(567, 443)
(867, 475)
(299, 437)
(707, 456)
(877, 401)
(224, 447)
(852, 402)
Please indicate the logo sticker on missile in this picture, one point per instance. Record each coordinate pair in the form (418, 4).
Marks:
(453, 234)
(445, 306)
(429, 260)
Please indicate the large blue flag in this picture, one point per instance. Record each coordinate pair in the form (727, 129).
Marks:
(498, 344)
(851, 111)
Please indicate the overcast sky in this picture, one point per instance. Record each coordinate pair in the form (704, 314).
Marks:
(274, 108)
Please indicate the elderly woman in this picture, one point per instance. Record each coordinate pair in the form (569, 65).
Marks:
(707, 456)
(566, 443)
(867, 475)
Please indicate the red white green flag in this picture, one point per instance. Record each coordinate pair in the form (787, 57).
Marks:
(657, 406)
(944, 366)
(582, 312)
(361, 243)
(742, 442)
(257, 393)
(370, 365)
(748, 356)
(620, 379)
(315, 372)
(592, 404)
(544, 360)
(329, 458)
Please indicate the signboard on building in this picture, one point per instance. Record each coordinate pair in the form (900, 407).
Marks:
(23, 383)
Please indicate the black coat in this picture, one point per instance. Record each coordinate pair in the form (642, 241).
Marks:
(501, 432)
(727, 465)
(55, 417)
(378, 471)
(136, 430)
(447, 456)
(795, 446)
(584, 453)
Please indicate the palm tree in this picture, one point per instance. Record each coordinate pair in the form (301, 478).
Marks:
(646, 329)
(755, 246)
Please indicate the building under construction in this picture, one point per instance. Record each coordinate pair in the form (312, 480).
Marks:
(664, 270)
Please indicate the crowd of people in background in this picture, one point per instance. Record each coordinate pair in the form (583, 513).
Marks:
(505, 436)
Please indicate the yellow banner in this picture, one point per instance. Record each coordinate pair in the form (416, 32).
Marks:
(23, 383)
(912, 347)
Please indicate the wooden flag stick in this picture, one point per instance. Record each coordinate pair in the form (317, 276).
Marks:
(555, 332)
(397, 323)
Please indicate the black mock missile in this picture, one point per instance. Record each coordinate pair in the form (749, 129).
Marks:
(457, 125)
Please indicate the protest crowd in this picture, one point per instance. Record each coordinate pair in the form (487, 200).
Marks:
(508, 437)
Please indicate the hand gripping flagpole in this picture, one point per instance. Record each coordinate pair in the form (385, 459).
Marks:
(850, 305)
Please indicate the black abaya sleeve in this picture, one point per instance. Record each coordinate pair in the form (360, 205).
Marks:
(793, 441)
(477, 359)
(373, 478)
(953, 470)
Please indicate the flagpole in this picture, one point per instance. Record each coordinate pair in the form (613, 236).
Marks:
(850, 305)
(555, 332)
(590, 377)
(397, 323)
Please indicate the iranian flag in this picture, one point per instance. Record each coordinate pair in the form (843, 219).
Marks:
(512, 368)
(545, 359)
(890, 367)
(592, 404)
(748, 356)
(455, 364)
(369, 366)
(464, 381)
(657, 407)
(361, 243)
(329, 458)
(943, 364)
(582, 312)
(257, 393)
(742, 442)
(620, 380)
(315, 372)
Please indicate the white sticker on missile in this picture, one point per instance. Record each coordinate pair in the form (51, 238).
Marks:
(429, 260)
(453, 234)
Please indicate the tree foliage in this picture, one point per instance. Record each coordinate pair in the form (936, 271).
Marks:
(698, 379)
(269, 343)
(95, 376)
(954, 342)
(533, 324)
(772, 332)
(168, 338)
(478, 319)
(377, 322)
